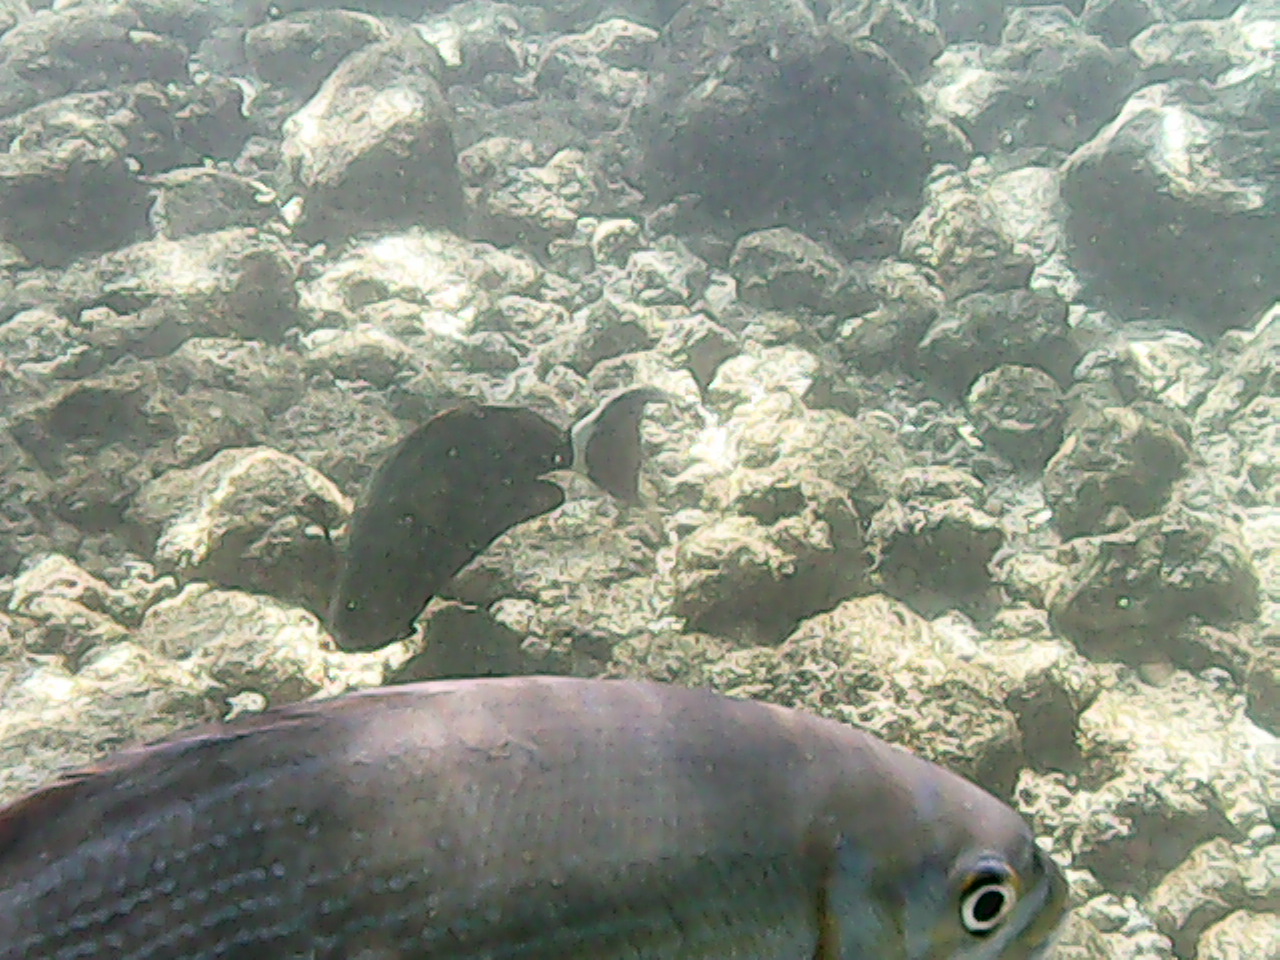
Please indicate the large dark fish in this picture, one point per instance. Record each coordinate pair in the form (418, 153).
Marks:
(447, 491)
(533, 818)
(452, 487)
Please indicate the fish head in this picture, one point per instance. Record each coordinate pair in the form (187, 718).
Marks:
(954, 874)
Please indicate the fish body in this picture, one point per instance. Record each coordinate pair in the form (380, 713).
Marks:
(534, 818)
(606, 442)
(443, 494)
(456, 484)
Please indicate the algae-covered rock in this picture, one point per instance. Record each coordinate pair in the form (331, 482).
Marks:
(1123, 593)
(52, 720)
(883, 669)
(242, 642)
(1202, 891)
(934, 542)
(754, 579)
(1115, 465)
(248, 517)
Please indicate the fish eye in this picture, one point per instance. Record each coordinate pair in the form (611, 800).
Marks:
(989, 895)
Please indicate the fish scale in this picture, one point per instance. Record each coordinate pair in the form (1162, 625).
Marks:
(517, 819)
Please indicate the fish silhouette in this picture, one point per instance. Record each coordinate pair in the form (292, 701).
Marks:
(452, 487)
(533, 817)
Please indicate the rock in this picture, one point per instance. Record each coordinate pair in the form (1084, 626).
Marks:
(1168, 367)
(194, 200)
(1262, 688)
(374, 147)
(101, 439)
(782, 269)
(241, 642)
(790, 98)
(298, 51)
(933, 548)
(1019, 410)
(1202, 891)
(1125, 592)
(1188, 208)
(522, 197)
(1115, 465)
(668, 274)
(908, 301)
(571, 584)
(984, 330)
(69, 197)
(462, 641)
(250, 518)
(233, 283)
(792, 550)
(1119, 21)
(910, 39)
(884, 671)
(1170, 768)
(958, 234)
(84, 48)
(53, 720)
(1242, 936)
(1047, 83)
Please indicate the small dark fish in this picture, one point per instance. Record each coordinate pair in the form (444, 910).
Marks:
(443, 494)
(606, 442)
(452, 487)
(535, 818)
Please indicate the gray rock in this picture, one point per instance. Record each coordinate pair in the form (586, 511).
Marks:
(1019, 410)
(797, 119)
(885, 336)
(374, 147)
(298, 51)
(1242, 936)
(84, 48)
(521, 195)
(782, 269)
(913, 41)
(1115, 465)
(250, 518)
(52, 720)
(1187, 210)
(240, 642)
(194, 200)
(932, 544)
(1119, 21)
(1262, 688)
(1124, 592)
(959, 234)
(1047, 83)
(101, 439)
(1202, 891)
(984, 330)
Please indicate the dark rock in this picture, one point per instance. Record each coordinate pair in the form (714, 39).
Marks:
(1180, 226)
(70, 197)
(1125, 592)
(1116, 465)
(299, 50)
(985, 330)
(1018, 410)
(933, 544)
(797, 124)
(1119, 21)
(195, 200)
(785, 270)
(463, 641)
(374, 147)
(79, 49)
(1262, 688)
(1049, 83)
(910, 39)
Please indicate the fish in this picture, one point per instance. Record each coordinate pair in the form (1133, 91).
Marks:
(540, 818)
(450, 488)
(606, 442)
